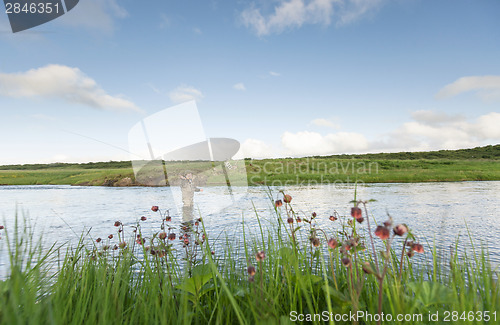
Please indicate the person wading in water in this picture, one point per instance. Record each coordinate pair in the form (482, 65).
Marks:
(188, 188)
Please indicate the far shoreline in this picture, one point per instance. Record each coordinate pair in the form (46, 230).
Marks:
(476, 164)
(257, 185)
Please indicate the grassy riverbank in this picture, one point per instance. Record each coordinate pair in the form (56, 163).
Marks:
(291, 271)
(482, 163)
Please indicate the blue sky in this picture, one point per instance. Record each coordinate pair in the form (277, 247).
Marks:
(283, 77)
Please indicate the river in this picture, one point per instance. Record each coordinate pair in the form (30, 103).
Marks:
(436, 212)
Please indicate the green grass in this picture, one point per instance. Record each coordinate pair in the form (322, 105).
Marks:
(478, 164)
(190, 285)
(62, 176)
(328, 170)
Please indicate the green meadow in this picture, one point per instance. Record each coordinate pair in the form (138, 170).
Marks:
(477, 164)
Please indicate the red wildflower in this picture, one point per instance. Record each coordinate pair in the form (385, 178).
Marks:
(400, 229)
(332, 243)
(382, 232)
(356, 212)
(260, 256)
(346, 261)
(418, 248)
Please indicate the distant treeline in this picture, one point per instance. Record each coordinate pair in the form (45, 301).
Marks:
(486, 152)
(90, 165)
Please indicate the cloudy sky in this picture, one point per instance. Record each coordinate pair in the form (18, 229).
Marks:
(283, 77)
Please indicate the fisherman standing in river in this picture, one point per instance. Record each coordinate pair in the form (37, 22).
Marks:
(188, 188)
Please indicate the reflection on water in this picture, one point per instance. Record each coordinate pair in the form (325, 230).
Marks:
(436, 212)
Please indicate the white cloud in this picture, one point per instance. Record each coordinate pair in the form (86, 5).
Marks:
(270, 74)
(324, 123)
(198, 31)
(289, 14)
(61, 82)
(307, 143)
(95, 14)
(352, 10)
(184, 94)
(253, 148)
(487, 126)
(417, 136)
(487, 87)
(421, 134)
(239, 86)
(454, 133)
(60, 158)
(434, 118)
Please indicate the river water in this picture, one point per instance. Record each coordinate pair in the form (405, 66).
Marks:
(436, 212)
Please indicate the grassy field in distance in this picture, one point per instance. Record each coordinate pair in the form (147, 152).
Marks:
(477, 164)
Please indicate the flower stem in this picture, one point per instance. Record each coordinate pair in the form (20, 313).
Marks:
(371, 237)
